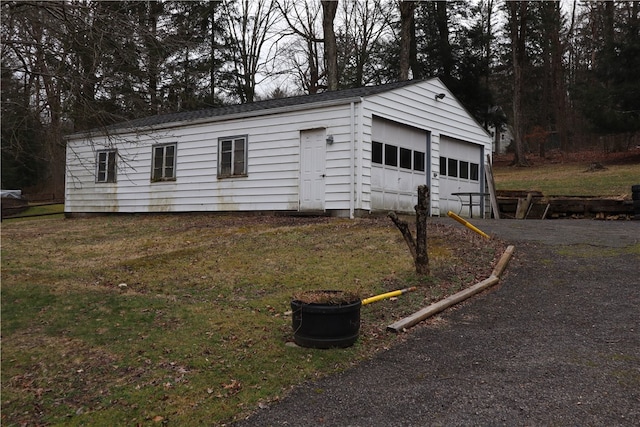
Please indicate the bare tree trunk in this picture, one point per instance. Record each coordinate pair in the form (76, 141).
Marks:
(442, 21)
(329, 9)
(554, 82)
(558, 75)
(518, 26)
(214, 49)
(301, 22)
(406, 21)
(487, 46)
(403, 226)
(417, 246)
(153, 55)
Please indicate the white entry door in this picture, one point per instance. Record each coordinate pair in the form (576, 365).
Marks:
(312, 169)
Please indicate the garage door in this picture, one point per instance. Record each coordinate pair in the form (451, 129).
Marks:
(398, 165)
(460, 171)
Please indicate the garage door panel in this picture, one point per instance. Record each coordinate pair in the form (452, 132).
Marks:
(466, 159)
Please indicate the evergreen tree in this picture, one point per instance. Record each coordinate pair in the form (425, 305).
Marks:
(607, 89)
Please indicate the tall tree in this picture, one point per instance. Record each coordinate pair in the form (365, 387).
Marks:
(33, 53)
(407, 38)
(363, 28)
(329, 9)
(473, 45)
(189, 63)
(435, 52)
(85, 64)
(444, 45)
(606, 87)
(554, 52)
(251, 26)
(23, 160)
(518, 15)
(305, 52)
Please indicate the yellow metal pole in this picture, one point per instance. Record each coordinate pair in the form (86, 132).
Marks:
(387, 295)
(468, 224)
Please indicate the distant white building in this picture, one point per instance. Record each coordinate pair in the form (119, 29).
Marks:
(500, 140)
(344, 153)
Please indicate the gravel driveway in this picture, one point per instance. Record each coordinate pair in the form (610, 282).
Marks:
(557, 342)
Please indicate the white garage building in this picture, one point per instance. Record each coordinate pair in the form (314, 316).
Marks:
(344, 153)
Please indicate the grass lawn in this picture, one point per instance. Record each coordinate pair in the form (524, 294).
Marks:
(182, 319)
(33, 211)
(571, 178)
(45, 210)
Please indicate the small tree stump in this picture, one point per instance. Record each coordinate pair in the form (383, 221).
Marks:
(417, 246)
(422, 213)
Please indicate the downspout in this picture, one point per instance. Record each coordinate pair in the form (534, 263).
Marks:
(483, 180)
(352, 170)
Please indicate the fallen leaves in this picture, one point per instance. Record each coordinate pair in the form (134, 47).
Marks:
(232, 387)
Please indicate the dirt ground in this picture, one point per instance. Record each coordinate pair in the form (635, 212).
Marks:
(557, 342)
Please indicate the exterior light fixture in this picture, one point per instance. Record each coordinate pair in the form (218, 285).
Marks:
(440, 96)
(329, 139)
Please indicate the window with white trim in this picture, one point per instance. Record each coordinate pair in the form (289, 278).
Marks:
(106, 166)
(232, 156)
(163, 162)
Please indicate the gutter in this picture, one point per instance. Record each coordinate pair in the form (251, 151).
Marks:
(352, 168)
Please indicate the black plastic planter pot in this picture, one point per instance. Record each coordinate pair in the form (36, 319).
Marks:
(326, 325)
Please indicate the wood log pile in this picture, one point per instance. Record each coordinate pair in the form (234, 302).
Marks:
(535, 205)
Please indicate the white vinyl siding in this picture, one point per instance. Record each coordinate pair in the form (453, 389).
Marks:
(273, 155)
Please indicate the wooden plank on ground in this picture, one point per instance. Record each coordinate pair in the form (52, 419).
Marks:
(439, 306)
(492, 188)
(504, 260)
